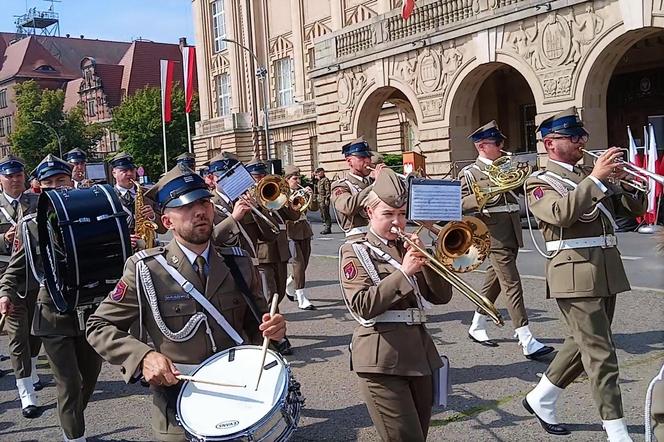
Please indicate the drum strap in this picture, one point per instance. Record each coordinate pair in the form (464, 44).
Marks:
(9, 218)
(29, 257)
(242, 285)
(193, 292)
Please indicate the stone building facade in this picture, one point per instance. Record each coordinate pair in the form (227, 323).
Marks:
(338, 69)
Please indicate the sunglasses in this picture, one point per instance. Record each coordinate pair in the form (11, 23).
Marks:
(575, 139)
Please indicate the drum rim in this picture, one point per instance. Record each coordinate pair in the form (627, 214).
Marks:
(277, 406)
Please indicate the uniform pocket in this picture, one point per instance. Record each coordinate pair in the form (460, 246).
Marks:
(570, 271)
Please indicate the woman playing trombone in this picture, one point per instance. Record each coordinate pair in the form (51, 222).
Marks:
(387, 288)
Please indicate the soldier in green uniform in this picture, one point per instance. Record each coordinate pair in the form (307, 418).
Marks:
(324, 191)
(575, 208)
(502, 217)
(225, 277)
(74, 363)
(24, 348)
(78, 160)
(387, 289)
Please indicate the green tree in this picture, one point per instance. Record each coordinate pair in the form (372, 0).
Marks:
(137, 121)
(33, 141)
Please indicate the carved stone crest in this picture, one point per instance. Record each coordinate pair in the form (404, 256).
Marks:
(556, 41)
(429, 71)
(349, 88)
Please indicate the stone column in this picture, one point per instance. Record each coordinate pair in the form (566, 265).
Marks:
(235, 56)
(337, 14)
(297, 14)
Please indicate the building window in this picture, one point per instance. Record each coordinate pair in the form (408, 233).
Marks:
(528, 128)
(285, 152)
(284, 81)
(219, 25)
(8, 126)
(91, 108)
(223, 86)
(2, 127)
(3, 98)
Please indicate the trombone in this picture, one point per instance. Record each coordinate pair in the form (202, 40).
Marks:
(272, 194)
(454, 244)
(637, 172)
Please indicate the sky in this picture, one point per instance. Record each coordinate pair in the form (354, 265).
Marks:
(120, 20)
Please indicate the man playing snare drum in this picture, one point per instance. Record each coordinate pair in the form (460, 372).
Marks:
(224, 308)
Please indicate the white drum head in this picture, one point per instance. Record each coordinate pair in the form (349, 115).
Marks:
(213, 411)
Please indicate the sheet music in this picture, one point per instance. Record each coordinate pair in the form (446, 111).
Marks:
(236, 182)
(434, 200)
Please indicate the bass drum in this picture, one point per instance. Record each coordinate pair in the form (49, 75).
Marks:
(84, 243)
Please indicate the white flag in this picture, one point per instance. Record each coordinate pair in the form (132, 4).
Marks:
(632, 146)
(651, 165)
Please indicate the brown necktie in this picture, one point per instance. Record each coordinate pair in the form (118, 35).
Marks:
(15, 205)
(200, 269)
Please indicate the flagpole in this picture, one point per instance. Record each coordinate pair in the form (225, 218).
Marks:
(163, 129)
(164, 68)
(191, 148)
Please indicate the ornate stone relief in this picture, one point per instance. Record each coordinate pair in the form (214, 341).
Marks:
(428, 72)
(350, 86)
(358, 14)
(315, 30)
(555, 47)
(280, 47)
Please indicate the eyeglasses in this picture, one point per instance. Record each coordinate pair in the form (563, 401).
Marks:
(575, 139)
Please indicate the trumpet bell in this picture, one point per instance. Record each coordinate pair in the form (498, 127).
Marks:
(462, 246)
(272, 192)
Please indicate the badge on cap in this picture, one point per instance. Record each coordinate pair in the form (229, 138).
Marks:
(350, 271)
(538, 193)
(118, 292)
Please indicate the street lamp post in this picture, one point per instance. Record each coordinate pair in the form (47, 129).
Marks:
(261, 74)
(57, 137)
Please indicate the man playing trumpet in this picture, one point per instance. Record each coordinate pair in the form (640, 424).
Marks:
(575, 208)
(501, 215)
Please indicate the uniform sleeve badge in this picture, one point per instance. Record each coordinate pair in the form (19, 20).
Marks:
(538, 193)
(118, 292)
(339, 191)
(350, 271)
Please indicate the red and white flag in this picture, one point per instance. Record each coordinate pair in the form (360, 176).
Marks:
(407, 8)
(651, 164)
(167, 69)
(189, 68)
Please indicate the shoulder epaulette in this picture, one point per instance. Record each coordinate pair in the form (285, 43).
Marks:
(232, 251)
(140, 255)
(29, 217)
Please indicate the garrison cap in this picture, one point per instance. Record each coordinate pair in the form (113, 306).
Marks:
(359, 147)
(566, 122)
(11, 164)
(390, 188)
(49, 166)
(123, 160)
(489, 131)
(76, 155)
(291, 170)
(178, 187)
(257, 167)
(222, 162)
(188, 159)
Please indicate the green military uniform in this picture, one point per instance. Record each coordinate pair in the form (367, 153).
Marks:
(74, 363)
(584, 271)
(164, 309)
(502, 217)
(299, 234)
(394, 359)
(324, 192)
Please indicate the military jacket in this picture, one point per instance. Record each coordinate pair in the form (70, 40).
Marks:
(389, 348)
(347, 196)
(227, 231)
(323, 188)
(9, 217)
(505, 228)
(277, 250)
(299, 230)
(581, 272)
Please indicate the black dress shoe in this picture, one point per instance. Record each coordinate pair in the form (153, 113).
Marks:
(290, 298)
(539, 353)
(309, 307)
(555, 429)
(487, 343)
(30, 412)
(38, 386)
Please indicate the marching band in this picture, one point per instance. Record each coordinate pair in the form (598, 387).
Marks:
(203, 298)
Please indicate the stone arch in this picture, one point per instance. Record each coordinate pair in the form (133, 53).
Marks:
(595, 72)
(368, 109)
(464, 91)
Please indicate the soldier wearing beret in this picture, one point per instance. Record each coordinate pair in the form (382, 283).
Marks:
(235, 225)
(23, 347)
(78, 159)
(299, 235)
(503, 219)
(575, 208)
(74, 363)
(233, 314)
(349, 191)
(124, 174)
(387, 289)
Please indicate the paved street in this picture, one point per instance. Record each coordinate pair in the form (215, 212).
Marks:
(488, 383)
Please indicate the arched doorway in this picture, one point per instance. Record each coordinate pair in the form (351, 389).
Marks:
(388, 121)
(492, 91)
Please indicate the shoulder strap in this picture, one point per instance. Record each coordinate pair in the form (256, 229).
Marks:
(242, 285)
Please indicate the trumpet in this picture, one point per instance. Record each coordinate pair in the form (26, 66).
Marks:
(301, 198)
(637, 172)
(457, 239)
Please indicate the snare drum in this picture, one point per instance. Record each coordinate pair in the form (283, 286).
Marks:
(213, 413)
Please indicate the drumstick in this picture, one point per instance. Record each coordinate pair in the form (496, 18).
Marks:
(2, 322)
(266, 340)
(183, 377)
